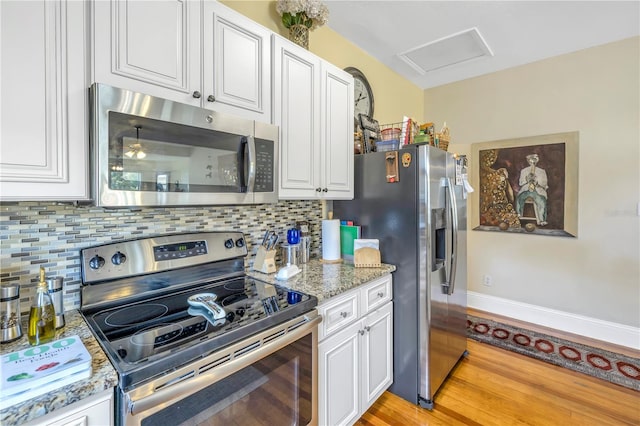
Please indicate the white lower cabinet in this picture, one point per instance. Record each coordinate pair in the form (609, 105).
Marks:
(355, 353)
(96, 410)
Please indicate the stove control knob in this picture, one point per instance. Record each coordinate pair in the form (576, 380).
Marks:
(240, 242)
(228, 243)
(118, 258)
(96, 262)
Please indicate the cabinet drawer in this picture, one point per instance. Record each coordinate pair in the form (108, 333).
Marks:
(376, 294)
(337, 314)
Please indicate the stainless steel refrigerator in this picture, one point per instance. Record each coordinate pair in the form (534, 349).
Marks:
(418, 214)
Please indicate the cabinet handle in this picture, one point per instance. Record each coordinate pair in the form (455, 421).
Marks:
(197, 94)
(211, 98)
(367, 328)
(325, 190)
(343, 314)
(318, 189)
(381, 294)
(361, 332)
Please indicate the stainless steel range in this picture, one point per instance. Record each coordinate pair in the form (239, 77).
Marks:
(194, 340)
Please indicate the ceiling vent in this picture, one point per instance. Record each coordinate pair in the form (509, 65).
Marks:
(454, 49)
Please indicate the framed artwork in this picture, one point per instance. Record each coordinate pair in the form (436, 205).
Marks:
(527, 185)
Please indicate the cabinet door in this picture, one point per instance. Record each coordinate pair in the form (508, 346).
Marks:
(96, 410)
(337, 133)
(43, 107)
(237, 64)
(338, 372)
(151, 47)
(296, 111)
(377, 354)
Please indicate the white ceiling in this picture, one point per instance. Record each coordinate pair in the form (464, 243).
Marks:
(516, 32)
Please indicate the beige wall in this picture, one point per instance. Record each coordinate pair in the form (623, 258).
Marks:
(597, 93)
(394, 96)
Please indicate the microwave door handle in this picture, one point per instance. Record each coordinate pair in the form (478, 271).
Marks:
(251, 181)
(241, 163)
(247, 162)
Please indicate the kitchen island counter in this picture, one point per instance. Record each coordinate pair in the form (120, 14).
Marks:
(103, 375)
(326, 280)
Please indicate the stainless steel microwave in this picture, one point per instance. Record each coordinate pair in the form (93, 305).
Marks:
(148, 151)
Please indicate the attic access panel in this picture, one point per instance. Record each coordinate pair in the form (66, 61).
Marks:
(454, 49)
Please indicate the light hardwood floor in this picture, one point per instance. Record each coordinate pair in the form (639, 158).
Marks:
(492, 386)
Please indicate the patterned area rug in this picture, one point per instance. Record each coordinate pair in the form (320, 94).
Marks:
(613, 367)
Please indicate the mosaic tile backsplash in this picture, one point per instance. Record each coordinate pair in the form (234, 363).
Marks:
(52, 234)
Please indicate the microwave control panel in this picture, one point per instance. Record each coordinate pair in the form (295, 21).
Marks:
(264, 165)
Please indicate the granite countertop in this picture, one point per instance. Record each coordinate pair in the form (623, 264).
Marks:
(326, 280)
(102, 378)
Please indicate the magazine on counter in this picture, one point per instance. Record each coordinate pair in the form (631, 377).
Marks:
(37, 370)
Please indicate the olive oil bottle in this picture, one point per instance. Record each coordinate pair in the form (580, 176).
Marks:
(42, 315)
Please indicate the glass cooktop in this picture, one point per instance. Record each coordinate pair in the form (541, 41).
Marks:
(144, 331)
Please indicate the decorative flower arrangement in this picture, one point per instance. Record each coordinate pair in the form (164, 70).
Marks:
(310, 13)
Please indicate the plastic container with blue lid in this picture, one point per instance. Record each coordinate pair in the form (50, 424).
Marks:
(388, 145)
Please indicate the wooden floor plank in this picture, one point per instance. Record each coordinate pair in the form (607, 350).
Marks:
(493, 386)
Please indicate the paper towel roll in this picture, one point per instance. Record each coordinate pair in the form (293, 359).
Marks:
(331, 239)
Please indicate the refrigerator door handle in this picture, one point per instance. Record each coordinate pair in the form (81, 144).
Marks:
(453, 210)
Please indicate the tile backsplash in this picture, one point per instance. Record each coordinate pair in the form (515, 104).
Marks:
(52, 234)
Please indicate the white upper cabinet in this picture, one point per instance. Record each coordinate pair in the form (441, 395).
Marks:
(337, 132)
(297, 113)
(43, 107)
(200, 53)
(313, 105)
(151, 47)
(237, 63)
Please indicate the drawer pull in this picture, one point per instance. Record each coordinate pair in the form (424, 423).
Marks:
(380, 294)
(343, 314)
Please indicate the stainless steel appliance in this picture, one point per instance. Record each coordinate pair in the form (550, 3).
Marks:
(148, 151)
(419, 216)
(194, 340)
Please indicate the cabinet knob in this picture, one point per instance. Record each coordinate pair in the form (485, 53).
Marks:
(197, 94)
(361, 332)
(325, 190)
(211, 98)
(318, 189)
(381, 294)
(367, 328)
(343, 314)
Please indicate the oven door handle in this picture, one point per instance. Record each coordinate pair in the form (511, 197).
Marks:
(186, 388)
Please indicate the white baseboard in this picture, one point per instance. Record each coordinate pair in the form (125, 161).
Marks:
(611, 332)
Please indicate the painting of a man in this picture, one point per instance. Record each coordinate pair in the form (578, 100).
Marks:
(527, 185)
(533, 185)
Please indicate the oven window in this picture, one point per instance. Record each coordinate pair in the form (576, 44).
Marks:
(276, 390)
(161, 156)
